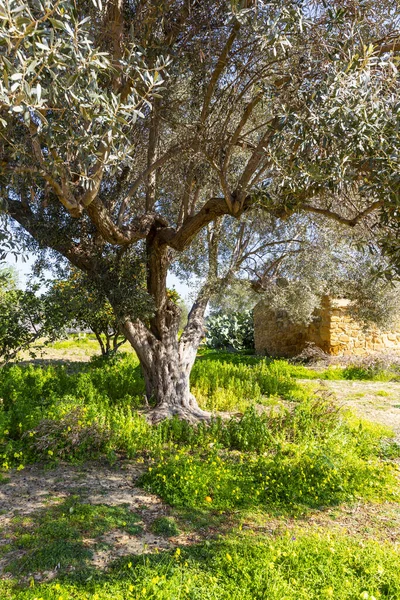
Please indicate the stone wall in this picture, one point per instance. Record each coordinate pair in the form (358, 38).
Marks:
(332, 330)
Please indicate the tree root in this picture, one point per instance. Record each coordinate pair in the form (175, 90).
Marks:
(191, 414)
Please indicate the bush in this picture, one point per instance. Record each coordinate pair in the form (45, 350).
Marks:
(56, 413)
(234, 330)
(305, 458)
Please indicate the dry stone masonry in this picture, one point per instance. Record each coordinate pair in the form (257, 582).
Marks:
(332, 329)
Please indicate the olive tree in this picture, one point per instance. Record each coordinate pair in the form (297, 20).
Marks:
(177, 134)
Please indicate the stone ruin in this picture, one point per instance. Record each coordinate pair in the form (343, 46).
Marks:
(332, 330)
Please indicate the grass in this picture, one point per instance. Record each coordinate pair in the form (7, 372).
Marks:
(383, 393)
(287, 451)
(84, 341)
(165, 526)
(289, 567)
(54, 538)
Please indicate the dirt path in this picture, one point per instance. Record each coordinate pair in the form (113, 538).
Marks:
(373, 400)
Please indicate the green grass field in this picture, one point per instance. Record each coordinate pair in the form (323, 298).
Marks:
(227, 492)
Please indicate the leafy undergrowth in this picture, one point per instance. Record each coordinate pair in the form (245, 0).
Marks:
(308, 457)
(289, 451)
(302, 452)
(231, 385)
(362, 370)
(289, 567)
(88, 410)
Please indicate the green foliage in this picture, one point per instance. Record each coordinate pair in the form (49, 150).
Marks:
(75, 301)
(52, 413)
(234, 330)
(82, 412)
(306, 458)
(295, 566)
(231, 383)
(22, 319)
(354, 372)
(372, 373)
(165, 526)
(327, 263)
(58, 84)
(285, 457)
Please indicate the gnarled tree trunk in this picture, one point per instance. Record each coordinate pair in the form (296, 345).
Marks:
(167, 362)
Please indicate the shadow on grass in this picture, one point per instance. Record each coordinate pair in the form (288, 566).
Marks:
(56, 538)
(306, 567)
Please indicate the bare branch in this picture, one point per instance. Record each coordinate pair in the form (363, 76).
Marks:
(235, 137)
(98, 171)
(219, 67)
(388, 44)
(339, 218)
(151, 158)
(136, 184)
(257, 156)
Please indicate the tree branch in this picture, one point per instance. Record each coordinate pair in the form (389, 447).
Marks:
(111, 233)
(98, 170)
(143, 175)
(219, 67)
(40, 231)
(257, 156)
(214, 208)
(339, 218)
(235, 137)
(388, 44)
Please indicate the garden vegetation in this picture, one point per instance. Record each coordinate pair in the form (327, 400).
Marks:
(283, 450)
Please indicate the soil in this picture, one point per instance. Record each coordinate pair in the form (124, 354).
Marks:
(35, 489)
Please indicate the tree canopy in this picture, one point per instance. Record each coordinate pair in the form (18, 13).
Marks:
(23, 319)
(142, 136)
(74, 301)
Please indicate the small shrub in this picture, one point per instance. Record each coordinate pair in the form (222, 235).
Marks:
(233, 331)
(75, 435)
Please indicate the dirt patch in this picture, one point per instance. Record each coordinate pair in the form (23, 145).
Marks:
(27, 495)
(373, 400)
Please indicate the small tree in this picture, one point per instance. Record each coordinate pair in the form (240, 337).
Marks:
(22, 319)
(75, 302)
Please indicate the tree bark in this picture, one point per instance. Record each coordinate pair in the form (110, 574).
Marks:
(166, 366)
(101, 343)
